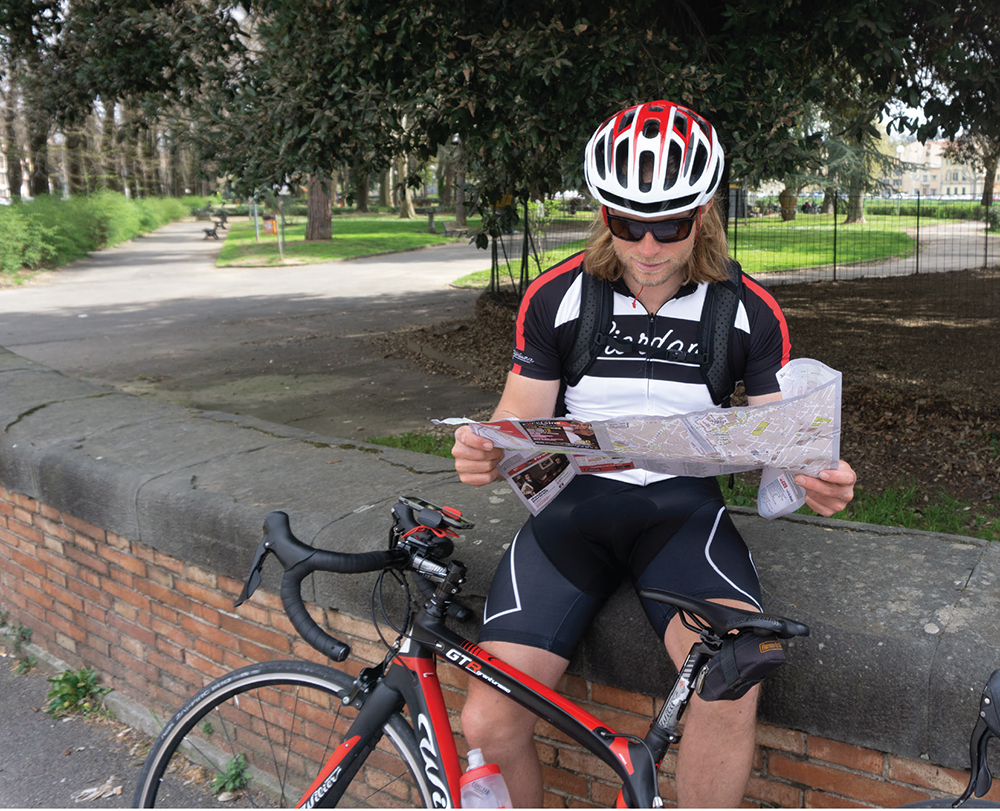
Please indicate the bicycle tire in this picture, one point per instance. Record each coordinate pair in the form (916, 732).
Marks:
(283, 750)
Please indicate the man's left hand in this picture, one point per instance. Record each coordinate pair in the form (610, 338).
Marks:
(831, 491)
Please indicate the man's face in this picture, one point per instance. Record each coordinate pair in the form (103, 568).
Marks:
(649, 263)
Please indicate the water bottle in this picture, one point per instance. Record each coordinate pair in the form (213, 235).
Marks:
(482, 784)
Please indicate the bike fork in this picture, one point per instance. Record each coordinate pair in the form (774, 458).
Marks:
(361, 738)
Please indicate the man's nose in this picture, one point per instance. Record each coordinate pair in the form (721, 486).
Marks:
(648, 244)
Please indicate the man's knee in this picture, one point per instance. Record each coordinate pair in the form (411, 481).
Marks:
(737, 715)
(486, 717)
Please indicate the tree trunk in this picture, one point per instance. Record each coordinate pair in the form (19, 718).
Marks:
(855, 207)
(991, 173)
(361, 183)
(445, 178)
(38, 162)
(12, 148)
(407, 211)
(828, 197)
(788, 199)
(75, 174)
(319, 224)
(460, 183)
(384, 198)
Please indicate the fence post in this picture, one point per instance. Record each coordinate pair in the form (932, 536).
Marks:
(736, 238)
(523, 283)
(917, 267)
(836, 200)
(986, 233)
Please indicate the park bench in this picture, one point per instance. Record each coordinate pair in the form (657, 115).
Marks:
(212, 232)
(453, 229)
(203, 213)
(221, 218)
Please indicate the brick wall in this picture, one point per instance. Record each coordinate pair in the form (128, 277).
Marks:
(158, 629)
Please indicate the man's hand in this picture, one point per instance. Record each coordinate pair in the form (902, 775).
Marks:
(476, 459)
(831, 491)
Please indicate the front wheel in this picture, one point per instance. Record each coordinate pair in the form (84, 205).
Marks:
(260, 735)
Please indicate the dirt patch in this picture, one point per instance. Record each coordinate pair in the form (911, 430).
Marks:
(919, 356)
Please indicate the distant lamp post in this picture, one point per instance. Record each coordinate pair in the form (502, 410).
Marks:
(283, 192)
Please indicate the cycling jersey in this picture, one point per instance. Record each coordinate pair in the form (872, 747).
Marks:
(618, 385)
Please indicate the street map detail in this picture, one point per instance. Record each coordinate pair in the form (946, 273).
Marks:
(798, 434)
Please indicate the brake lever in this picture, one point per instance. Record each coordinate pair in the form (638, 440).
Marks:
(987, 727)
(253, 579)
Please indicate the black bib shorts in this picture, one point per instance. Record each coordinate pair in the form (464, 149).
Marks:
(565, 562)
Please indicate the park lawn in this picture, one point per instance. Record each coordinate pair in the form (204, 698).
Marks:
(353, 237)
(509, 275)
(763, 246)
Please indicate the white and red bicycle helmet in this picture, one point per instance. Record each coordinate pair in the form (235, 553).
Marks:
(653, 159)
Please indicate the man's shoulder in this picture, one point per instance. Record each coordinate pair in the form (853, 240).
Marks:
(552, 285)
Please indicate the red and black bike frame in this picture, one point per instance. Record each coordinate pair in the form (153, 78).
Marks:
(412, 680)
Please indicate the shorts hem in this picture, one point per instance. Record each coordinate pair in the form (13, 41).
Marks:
(531, 640)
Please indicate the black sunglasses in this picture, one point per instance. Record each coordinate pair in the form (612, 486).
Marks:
(663, 231)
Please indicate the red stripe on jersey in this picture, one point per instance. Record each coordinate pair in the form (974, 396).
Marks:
(769, 300)
(556, 270)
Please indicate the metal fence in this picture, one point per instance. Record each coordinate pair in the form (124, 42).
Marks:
(915, 276)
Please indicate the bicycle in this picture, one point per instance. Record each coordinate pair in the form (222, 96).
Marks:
(314, 735)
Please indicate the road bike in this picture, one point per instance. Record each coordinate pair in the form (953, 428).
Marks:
(295, 732)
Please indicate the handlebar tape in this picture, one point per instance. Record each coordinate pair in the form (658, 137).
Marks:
(299, 560)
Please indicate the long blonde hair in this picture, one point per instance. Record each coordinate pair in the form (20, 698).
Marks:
(707, 263)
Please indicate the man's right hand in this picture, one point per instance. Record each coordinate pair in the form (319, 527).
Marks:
(476, 459)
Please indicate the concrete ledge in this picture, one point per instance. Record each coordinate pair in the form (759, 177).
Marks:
(904, 623)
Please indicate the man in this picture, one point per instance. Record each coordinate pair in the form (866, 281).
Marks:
(659, 242)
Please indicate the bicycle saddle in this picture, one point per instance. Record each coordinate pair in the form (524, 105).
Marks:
(723, 619)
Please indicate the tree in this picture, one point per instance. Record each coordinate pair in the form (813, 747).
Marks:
(966, 64)
(982, 154)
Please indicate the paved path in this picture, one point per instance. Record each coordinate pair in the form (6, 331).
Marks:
(157, 318)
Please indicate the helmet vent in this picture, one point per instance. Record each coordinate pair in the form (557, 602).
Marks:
(681, 123)
(673, 166)
(646, 162)
(621, 163)
(626, 121)
(651, 129)
(700, 162)
(600, 159)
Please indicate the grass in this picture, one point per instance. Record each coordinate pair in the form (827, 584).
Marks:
(903, 505)
(772, 245)
(480, 280)
(353, 237)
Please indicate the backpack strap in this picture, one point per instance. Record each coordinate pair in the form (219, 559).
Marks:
(596, 309)
(718, 317)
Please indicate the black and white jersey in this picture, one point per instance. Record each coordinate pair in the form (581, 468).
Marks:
(618, 385)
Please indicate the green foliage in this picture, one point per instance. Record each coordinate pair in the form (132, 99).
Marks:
(235, 777)
(24, 242)
(419, 443)
(20, 637)
(76, 692)
(928, 208)
(993, 218)
(49, 231)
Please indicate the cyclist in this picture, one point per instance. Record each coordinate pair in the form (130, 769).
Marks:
(659, 242)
